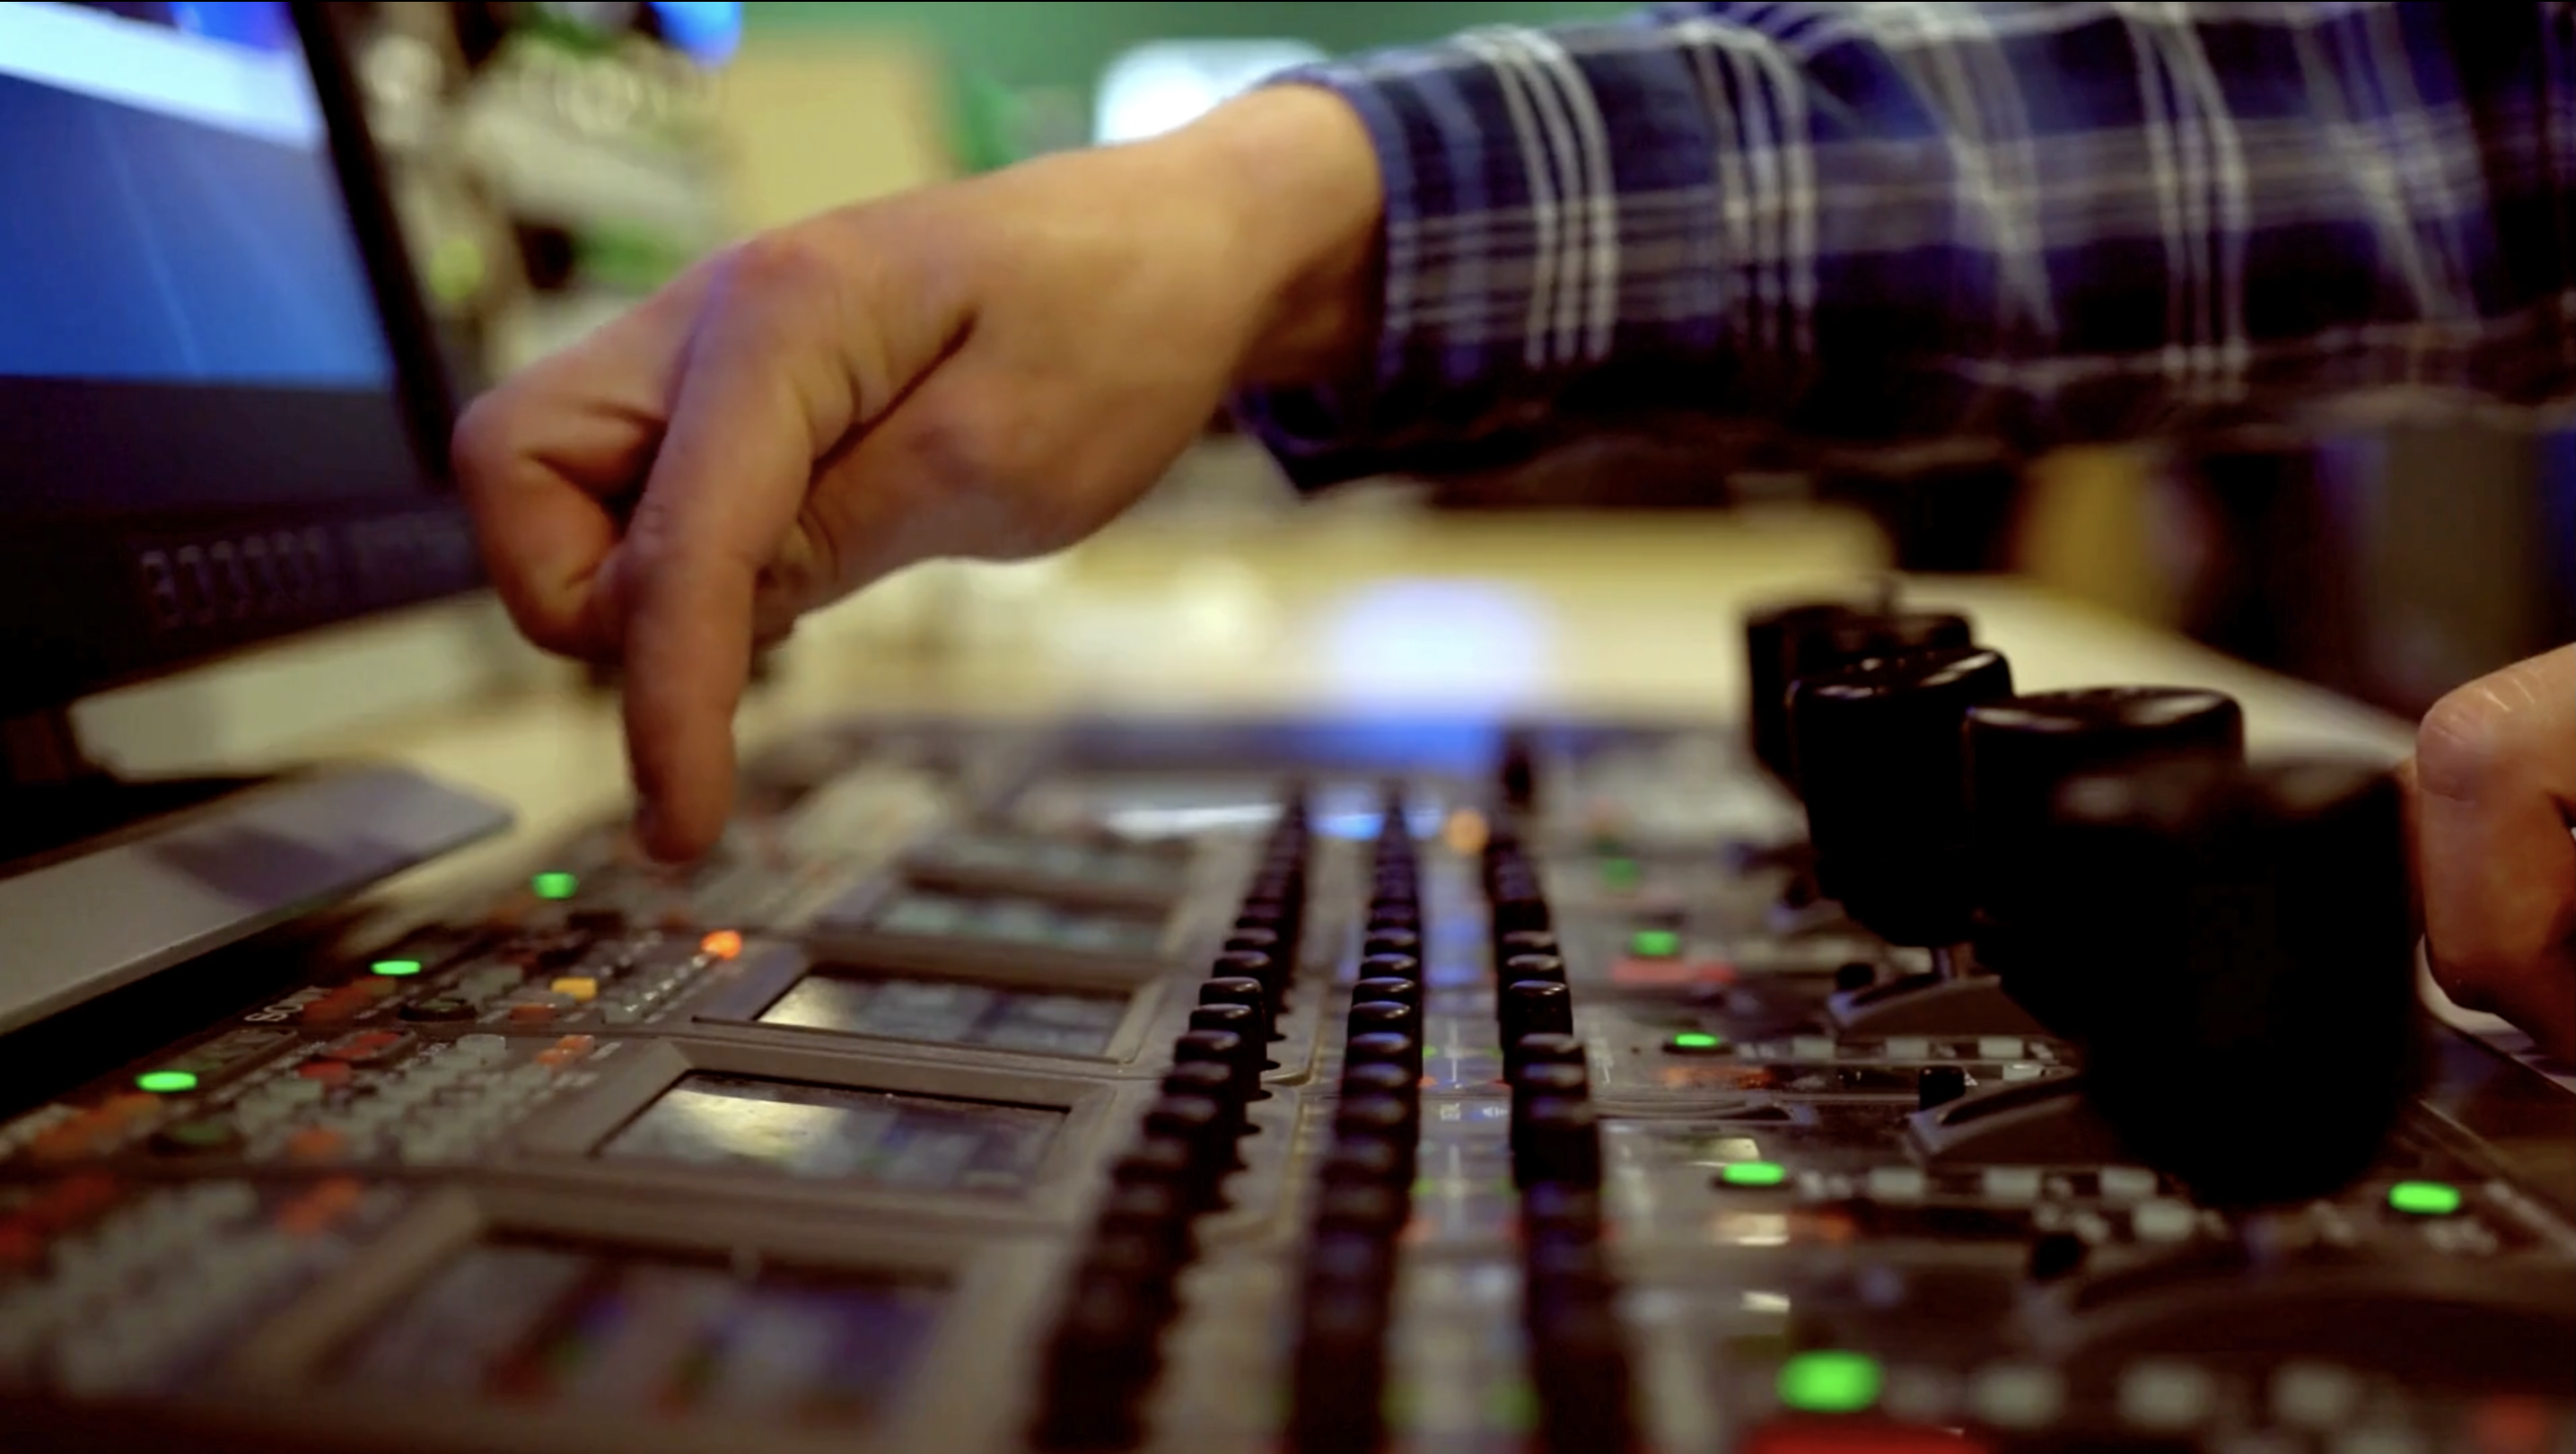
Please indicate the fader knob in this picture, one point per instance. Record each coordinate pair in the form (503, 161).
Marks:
(1383, 1047)
(1098, 1364)
(1387, 989)
(1534, 1007)
(1766, 669)
(1238, 1054)
(2019, 754)
(1881, 766)
(1244, 990)
(2252, 1025)
(1560, 1142)
(1339, 1378)
(1377, 1078)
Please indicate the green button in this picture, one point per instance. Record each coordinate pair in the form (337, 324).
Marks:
(1621, 873)
(1753, 1173)
(555, 884)
(1696, 1042)
(395, 968)
(166, 1082)
(2424, 1198)
(1829, 1382)
(1655, 943)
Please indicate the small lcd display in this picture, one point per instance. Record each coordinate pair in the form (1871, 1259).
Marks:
(854, 1001)
(563, 1325)
(830, 1133)
(1022, 922)
(1108, 867)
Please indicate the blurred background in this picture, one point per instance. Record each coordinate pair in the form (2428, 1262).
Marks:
(554, 162)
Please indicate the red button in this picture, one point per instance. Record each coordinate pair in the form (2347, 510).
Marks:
(369, 1045)
(329, 1072)
(1823, 1436)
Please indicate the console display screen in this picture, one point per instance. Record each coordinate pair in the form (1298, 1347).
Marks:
(1005, 922)
(1105, 867)
(856, 1001)
(829, 1133)
(564, 1325)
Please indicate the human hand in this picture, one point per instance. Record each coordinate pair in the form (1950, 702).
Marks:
(2491, 788)
(993, 368)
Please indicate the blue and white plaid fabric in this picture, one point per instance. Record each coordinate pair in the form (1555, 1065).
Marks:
(1876, 225)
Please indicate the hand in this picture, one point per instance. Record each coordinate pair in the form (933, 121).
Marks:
(993, 369)
(2492, 785)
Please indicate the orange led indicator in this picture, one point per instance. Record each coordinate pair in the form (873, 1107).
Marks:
(723, 944)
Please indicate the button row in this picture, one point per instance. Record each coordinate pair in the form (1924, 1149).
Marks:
(1105, 1351)
(1576, 1356)
(1365, 1195)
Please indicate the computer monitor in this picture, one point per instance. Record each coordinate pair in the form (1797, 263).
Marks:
(216, 427)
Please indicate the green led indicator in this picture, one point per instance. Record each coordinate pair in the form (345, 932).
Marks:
(1754, 1173)
(1698, 1040)
(1829, 1382)
(166, 1082)
(2425, 1198)
(395, 968)
(1620, 873)
(555, 884)
(1655, 943)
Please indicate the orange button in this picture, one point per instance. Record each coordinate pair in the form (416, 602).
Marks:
(575, 1044)
(315, 1143)
(580, 988)
(366, 1046)
(532, 1014)
(556, 1059)
(127, 1107)
(329, 1072)
(338, 1005)
(723, 944)
(318, 1209)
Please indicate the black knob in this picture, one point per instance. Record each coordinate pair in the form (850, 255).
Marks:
(1267, 970)
(1386, 1119)
(1517, 774)
(2019, 754)
(1366, 1162)
(1394, 914)
(1383, 1017)
(1533, 1084)
(1391, 941)
(1165, 1161)
(1766, 671)
(1884, 775)
(1546, 1048)
(1390, 966)
(1520, 911)
(1099, 1363)
(2054, 1255)
(1338, 1379)
(1244, 990)
(2254, 925)
(1534, 1007)
(1384, 989)
(1384, 1047)
(1137, 1263)
(1234, 1019)
(1532, 966)
(1856, 974)
(1553, 1211)
(1938, 1085)
(1202, 1123)
(1528, 941)
(1361, 1209)
(1377, 1078)
(1252, 940)
(1158, 1214)
(1578, 1362)
(1239, 1055)
(1560, 1142)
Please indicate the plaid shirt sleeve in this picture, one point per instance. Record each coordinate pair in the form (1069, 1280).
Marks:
(1880, 225)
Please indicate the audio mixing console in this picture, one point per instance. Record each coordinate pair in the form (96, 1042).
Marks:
(1929, 1068)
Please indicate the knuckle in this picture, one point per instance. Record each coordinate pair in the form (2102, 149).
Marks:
(485, 440)
(2464, 742)
(790, 262)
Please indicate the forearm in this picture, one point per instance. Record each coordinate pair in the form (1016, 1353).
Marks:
(1864, 230)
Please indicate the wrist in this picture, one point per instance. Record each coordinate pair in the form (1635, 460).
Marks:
(1296, 171)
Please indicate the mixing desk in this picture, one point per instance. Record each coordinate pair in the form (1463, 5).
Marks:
(1926, 1068)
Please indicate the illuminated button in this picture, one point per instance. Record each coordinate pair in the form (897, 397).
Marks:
(2017, 1396)
(722, 944)
(2010, 1185)
(575, 1044)
(2162, 1219)
(556, 1059)
(2166, 1396)
(371, 1046)
(532, 1014)
(1655, 943)
(554, 884)
(395, 968)
(1830, 1382)
(1696, 1042)
(316, 1143)
(2315, 1395)
(1621, 875)
(1896, 1183)
(1908, 1047)
(2020, 1070)
(2127, 1183)
(1999, 1047)
(166, 1082)
(1754, 1174)
(580, 989)
(1811, 1047)
(2418, 1198)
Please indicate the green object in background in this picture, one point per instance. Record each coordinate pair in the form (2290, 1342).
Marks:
(983, 122)
(1829, 1382)
(2424, 1198)
(628, 259)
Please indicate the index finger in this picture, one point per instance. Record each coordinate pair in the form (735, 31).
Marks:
(760, 398)
(2495, 776)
